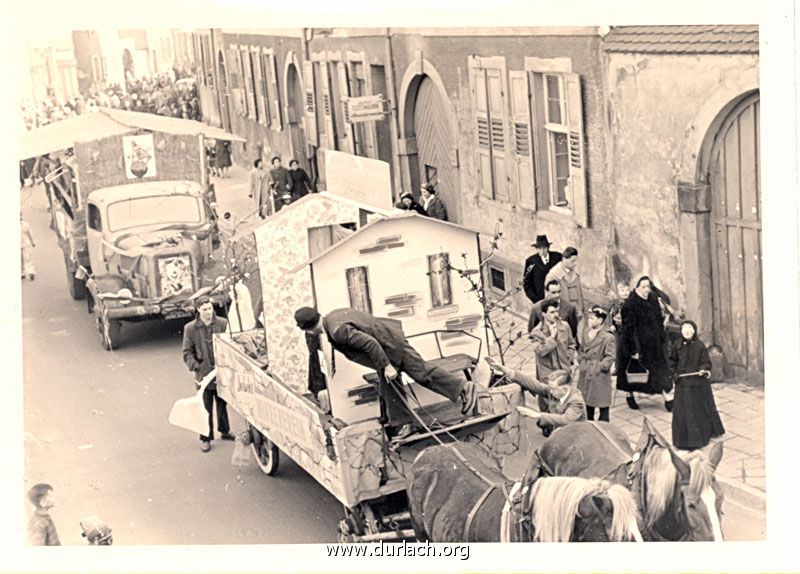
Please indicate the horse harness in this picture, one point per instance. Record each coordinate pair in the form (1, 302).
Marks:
(635, 482)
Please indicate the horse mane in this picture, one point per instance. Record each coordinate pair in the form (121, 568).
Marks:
(555, 504)
(659, 476)
(625, 516)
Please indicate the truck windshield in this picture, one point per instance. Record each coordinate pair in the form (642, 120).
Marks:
(156, 209)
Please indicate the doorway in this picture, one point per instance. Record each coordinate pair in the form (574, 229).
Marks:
(734, 176)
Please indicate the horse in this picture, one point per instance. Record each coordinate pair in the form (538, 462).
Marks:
(458, 494)
(679, 499)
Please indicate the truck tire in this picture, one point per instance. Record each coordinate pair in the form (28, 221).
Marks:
(75, 286)
(266, 453)
(110, 330)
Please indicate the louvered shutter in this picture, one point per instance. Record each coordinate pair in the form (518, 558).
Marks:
(234, 63)
(496, 91)
(310, 104)
(577, 165)
(277, 124)
(521, 138)
(247, 82)
(483, 154)
(327, 105)
(258, 86)
(344, 93)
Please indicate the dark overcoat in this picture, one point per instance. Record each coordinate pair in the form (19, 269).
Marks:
(643, 333)
(196, 354)
(535, 272)
(436, 209)
(695, 419)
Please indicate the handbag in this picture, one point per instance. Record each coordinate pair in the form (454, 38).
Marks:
(191, 413)
(638, 376)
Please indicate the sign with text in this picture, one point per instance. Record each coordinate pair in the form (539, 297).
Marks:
(363, 179)
(364, 108)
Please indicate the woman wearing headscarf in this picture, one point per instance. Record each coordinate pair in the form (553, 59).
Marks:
(642, 340)
(695, 419)
(408, 203)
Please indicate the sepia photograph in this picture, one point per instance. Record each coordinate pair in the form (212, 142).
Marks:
(388, 290)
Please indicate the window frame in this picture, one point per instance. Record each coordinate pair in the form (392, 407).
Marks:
(445, 284)
(490, 269)
(366, 287)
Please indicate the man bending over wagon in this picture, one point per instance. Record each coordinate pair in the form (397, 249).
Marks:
(380, 344)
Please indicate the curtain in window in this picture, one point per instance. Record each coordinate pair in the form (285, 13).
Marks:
(358, 289)
(439, 273)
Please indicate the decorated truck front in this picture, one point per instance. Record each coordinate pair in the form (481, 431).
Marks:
(151, 247)
(133, 211)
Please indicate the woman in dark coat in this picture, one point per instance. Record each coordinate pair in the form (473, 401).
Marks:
(643, 338)
(301, 183)
(223, 155)
(695, 419)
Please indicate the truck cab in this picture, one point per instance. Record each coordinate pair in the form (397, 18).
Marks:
(150, 247)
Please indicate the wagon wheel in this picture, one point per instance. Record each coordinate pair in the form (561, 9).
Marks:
(358, 521)
(266, 454)
(109, 329)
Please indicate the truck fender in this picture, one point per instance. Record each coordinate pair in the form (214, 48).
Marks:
(106, 284)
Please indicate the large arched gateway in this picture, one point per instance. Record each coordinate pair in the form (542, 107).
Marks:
(734, 176)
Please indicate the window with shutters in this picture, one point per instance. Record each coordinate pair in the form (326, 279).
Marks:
(358, 289)
(547, 121)
(235, 74)
(252, 99)
(358, 87)
(272, 100)
(489, 87)
(439, 278)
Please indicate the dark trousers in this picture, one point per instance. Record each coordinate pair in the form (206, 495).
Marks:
(603, 413)
(209, 397)
(430, 376)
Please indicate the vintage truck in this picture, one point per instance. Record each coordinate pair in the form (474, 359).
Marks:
(133, 212)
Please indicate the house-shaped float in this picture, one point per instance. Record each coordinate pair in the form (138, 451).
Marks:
(404, 267)
(304, 229)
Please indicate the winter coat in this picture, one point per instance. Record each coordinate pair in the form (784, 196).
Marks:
(595, 358)
(535, 272)
(570, 288)
(566, 312)
(555, 412)
(643, 333)
(436, 209)
(695, 419)
(196, 354)
(301, 184)
(552, 353)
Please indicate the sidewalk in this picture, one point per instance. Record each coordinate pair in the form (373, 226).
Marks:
(741, 407)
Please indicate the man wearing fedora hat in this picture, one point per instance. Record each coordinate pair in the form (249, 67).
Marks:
(537, 266)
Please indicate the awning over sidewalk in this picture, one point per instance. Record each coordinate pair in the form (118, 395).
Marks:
(108, 122)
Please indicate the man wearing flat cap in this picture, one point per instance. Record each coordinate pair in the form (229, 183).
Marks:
(198, 354)
(537, 266)
(380, 344)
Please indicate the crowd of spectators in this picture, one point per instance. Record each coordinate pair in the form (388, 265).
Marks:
(161, 94)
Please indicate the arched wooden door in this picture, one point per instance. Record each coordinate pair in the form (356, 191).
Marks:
(435, 145)
(736, 245)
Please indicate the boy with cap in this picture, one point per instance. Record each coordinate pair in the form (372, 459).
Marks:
(597, 350)
(537, 266)
(198, 354)
(41, 529)
(380, 344)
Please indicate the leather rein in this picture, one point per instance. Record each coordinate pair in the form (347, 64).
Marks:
(635, 483)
